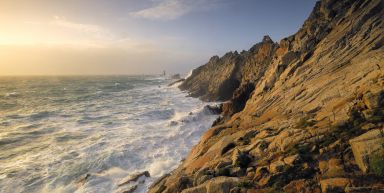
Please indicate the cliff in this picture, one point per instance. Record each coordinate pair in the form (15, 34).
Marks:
(302, 115)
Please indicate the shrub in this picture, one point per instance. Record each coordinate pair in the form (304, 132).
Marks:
(273, 190)
(223, 172)
(304, 122)
(244, 184)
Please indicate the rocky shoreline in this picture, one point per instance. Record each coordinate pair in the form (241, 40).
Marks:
(302, 115)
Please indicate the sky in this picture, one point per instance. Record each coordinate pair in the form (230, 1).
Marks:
(105, 37)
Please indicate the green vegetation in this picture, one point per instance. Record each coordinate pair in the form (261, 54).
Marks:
(244, 184)
(377, 163)
(223, 172)
(305, 122)
(298, 149)
(273, 190)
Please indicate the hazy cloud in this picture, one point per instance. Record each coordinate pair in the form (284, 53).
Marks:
(172, 9)
(94, 30)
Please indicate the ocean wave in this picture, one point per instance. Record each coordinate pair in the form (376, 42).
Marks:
(158, 114)
(117, 87)
(88, 128)
(41, 115)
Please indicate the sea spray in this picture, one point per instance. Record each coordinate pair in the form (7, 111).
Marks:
(87, 134)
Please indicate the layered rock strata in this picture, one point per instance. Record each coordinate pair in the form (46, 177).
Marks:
(299, 115)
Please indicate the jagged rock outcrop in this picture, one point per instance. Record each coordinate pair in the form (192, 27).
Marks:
(294, 107)
(221, 77)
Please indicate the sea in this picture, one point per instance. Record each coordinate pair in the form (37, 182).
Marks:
(90, 133)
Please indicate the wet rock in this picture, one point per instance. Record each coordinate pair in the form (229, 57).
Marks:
(214, 109)
(129, 190)
(175, 82)
(134, 178)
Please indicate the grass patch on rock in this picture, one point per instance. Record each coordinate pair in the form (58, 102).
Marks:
(376, 163)
(305, 122)
(245, 184)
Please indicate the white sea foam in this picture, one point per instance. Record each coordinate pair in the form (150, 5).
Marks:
(56, 139)
(189, 74)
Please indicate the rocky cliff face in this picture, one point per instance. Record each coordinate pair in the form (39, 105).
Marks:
(221, 77)
(303, 115)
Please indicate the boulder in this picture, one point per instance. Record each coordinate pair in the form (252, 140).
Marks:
(134, 178)
(222, 184)
(365, 145)
(302, 186)
(331, 168)
(219, 184)
(334, 185)
(214, 109)
(288, 138)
